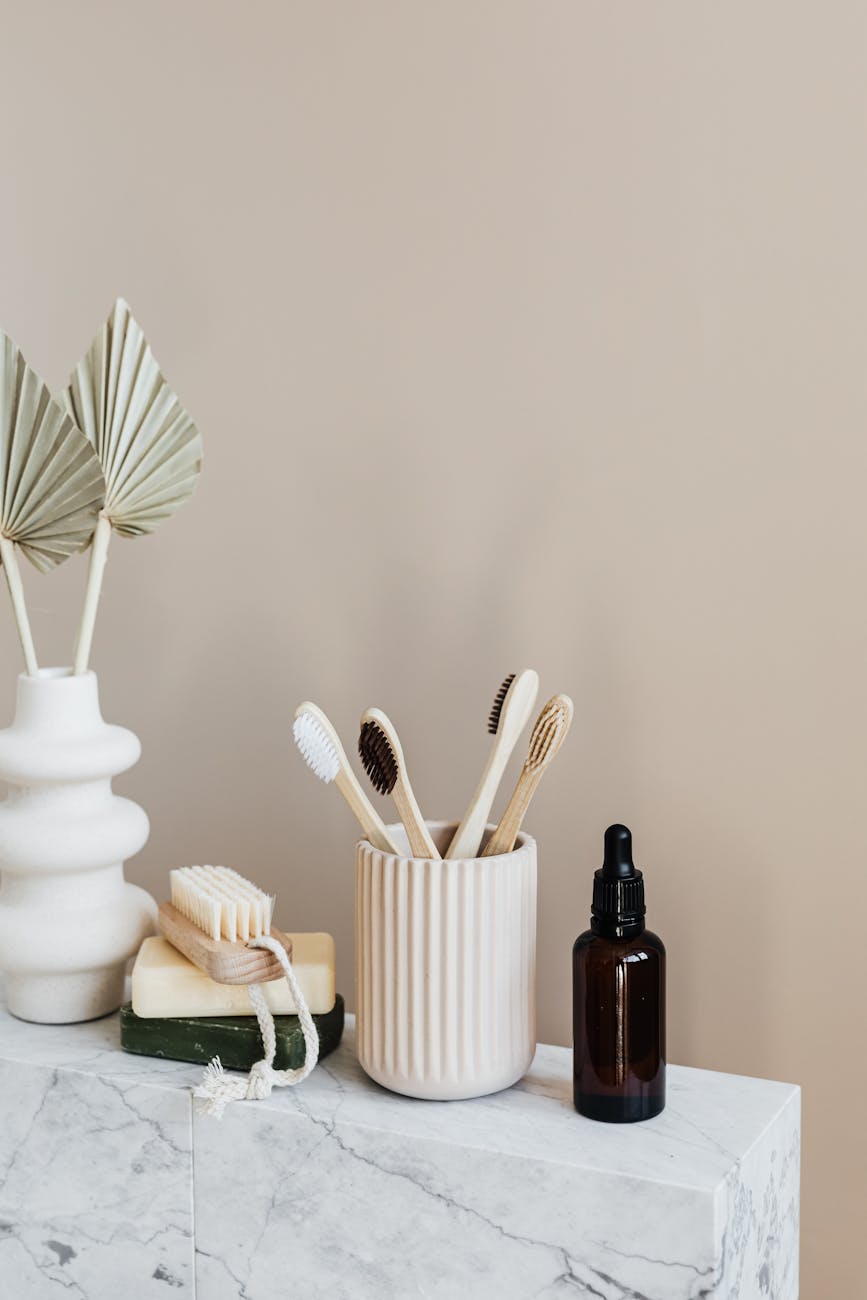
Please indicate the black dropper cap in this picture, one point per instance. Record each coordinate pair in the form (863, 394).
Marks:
(618, 888)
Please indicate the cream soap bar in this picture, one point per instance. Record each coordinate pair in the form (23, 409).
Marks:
(165, 983)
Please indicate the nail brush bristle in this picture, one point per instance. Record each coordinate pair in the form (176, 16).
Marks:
(221, 902)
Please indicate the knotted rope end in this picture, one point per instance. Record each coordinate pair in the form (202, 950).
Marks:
(216, 1089)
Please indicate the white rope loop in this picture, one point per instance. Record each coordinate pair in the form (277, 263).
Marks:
(217, 1088)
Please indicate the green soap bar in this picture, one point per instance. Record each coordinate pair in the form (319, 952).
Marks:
(235, 1039)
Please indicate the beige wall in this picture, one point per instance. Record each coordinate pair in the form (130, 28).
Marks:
(518, 334)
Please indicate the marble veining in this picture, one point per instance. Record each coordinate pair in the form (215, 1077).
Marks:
(758, 1213)
(95, 1185)
(340, 1188)
(383, 1217)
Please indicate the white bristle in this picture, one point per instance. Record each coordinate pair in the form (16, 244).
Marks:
(221, 902)
(317, 748)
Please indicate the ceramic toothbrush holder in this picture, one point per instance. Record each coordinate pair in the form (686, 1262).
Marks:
(445, 968)
(68, 919)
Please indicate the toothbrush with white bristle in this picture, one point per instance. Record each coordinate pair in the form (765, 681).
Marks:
(323, 753)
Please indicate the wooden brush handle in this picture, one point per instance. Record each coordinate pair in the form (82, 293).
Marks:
(225, 962)
(503, 838)
(369, 819)
(420, 843)
(466, 839)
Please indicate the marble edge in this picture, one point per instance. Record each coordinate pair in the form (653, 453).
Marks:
(488, 1148)
(121, 1078)
(793, 1097)
(283, 1102)
(176, 1076)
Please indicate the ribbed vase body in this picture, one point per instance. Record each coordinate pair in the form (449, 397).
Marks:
(446, 970)
(68, 919)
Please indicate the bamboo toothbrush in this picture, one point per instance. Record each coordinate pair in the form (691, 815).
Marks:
(383, 760)
(548, 735)
(508, 718)
(323, 753)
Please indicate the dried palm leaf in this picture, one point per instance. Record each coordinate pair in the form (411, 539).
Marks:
(51, 484)
(147, 444)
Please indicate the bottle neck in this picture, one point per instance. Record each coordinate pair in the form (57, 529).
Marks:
(612, 928)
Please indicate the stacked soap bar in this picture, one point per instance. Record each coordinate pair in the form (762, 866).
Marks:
(235, 1039)
(179, 1012)
(165, 983)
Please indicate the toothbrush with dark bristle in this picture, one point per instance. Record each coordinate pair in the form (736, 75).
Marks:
(320, 747)
(549, 732)
(509, 716)
(382, 757)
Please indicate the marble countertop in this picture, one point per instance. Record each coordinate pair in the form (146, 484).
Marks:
(710, 1121)
(711, 1183)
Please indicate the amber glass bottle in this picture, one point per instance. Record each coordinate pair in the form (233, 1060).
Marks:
(618, 997)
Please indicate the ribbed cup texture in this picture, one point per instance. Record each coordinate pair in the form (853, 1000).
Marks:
(446, 971)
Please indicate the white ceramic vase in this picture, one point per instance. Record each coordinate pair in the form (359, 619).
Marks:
(445, 969)
(68, 919)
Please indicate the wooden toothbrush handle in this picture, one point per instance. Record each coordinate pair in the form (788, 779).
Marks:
(371, 822)
(503, 838)
(420, 842)
(468, 836)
